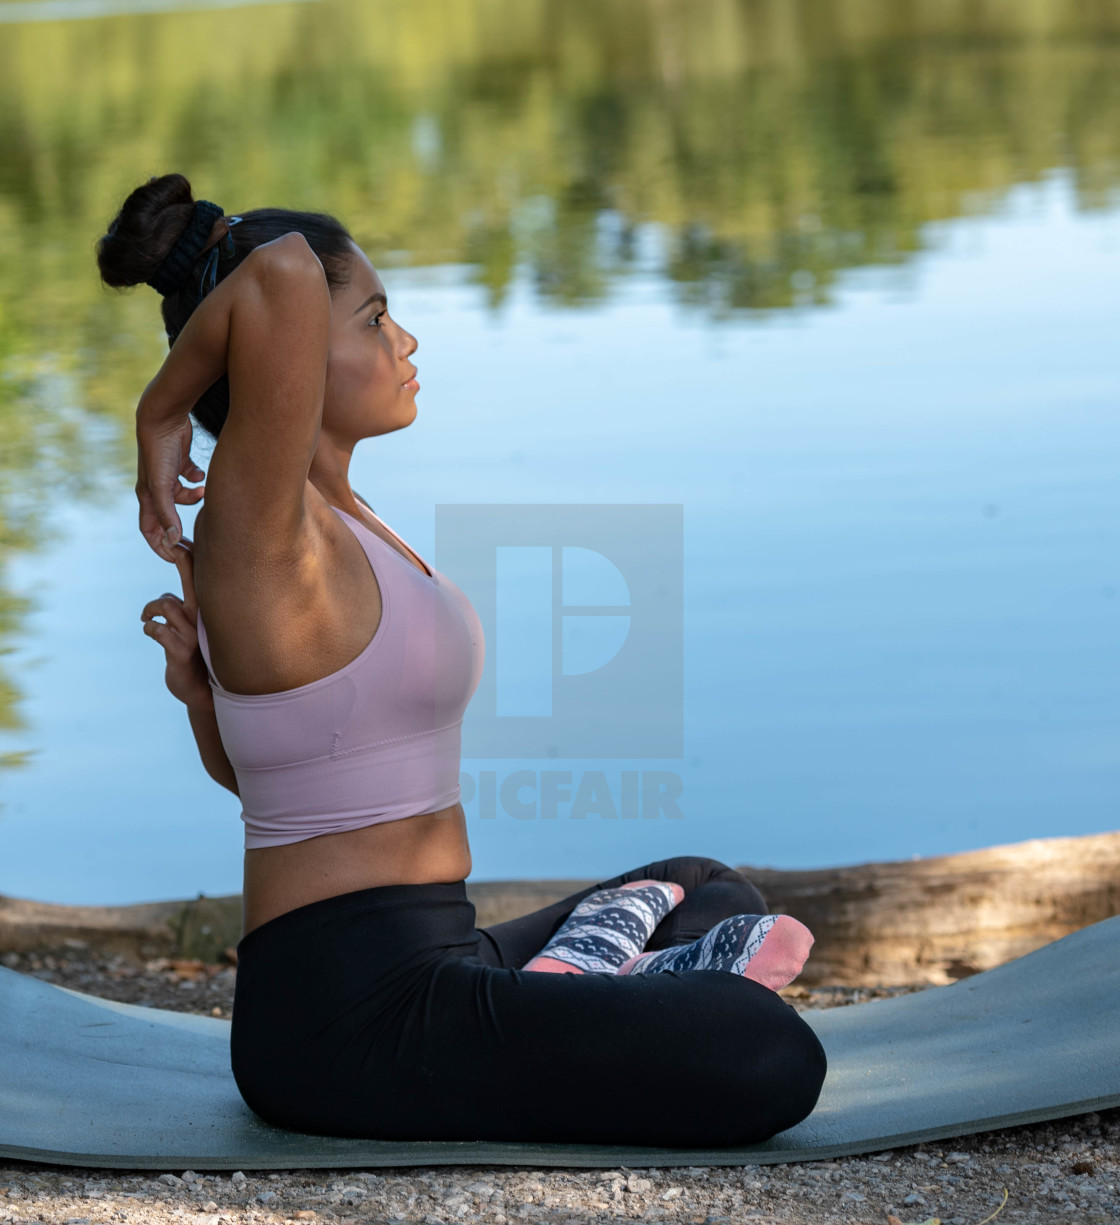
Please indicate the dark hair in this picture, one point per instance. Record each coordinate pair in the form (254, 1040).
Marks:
(149, 224)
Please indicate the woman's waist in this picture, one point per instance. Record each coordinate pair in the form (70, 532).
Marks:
(428, 848)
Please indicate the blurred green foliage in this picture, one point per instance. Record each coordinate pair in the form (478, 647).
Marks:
(774, 142)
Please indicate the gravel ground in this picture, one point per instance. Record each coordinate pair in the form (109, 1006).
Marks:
(1068, 1170)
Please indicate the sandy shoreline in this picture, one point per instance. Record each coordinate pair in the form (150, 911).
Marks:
(1066, 1170)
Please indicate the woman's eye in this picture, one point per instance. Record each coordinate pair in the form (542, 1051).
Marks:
(375, 322)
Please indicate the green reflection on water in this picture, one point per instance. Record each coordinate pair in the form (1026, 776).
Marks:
(775, 143)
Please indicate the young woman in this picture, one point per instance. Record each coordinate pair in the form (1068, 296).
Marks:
(326, 669)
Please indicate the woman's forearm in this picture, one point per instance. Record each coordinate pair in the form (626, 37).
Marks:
(204, 724)
(200, 354)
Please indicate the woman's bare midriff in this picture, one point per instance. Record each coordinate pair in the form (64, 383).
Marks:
(419, 850)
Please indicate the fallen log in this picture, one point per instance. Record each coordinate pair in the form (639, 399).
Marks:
(876, 924)
(944, 918)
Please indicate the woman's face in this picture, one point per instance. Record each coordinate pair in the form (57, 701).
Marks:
(370, 386)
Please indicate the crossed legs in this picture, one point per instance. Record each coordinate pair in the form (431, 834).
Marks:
(713, 892)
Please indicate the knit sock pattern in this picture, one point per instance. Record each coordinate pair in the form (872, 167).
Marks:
(770, 949)
(607, 928)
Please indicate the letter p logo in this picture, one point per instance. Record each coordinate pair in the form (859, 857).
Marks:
(582, 611)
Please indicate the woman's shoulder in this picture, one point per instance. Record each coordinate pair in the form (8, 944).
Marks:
(289, 618)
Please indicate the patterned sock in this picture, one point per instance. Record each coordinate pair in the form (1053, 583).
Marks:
(607, 928)
(771, 949)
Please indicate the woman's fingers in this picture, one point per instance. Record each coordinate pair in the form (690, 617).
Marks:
(184, 625)
(168, 638)
(154, 520)
(150, 527)
(164, 454)
(186, 676)
(164, 605)
(179, 617)
(156, 607)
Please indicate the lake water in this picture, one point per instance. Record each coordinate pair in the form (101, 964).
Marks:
(833, 285)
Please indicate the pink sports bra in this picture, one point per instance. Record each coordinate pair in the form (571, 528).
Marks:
(378, 740)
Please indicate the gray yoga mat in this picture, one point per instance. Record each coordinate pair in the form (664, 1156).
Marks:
(85, 1081)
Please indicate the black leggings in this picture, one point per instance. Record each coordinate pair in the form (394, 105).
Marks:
(386, 1014)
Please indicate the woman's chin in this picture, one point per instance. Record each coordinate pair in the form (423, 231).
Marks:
(404, 418)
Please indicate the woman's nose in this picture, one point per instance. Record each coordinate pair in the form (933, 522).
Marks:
(411, 344)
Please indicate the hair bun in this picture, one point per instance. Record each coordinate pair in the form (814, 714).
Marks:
(141, 235)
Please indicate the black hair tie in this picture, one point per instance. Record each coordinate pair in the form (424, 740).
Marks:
(174, 272)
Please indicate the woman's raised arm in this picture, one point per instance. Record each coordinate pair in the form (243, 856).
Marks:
(267, 326)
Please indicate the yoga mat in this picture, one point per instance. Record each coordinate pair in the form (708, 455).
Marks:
(86, 1081)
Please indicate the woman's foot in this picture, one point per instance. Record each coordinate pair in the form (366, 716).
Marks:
(607, 928)
(771, 949)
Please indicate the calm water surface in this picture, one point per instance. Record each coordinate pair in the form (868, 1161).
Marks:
(838, 281)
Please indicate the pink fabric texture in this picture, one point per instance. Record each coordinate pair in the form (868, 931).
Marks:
(378, 740)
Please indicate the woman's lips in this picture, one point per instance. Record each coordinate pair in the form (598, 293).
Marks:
(411, 384)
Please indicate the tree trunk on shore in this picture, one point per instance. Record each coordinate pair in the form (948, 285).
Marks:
(876, 924)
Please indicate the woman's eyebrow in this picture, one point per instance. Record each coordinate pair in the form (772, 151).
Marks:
(377, 297)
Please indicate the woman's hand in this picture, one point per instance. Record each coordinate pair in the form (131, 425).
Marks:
(186, 675)
(164, 455)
